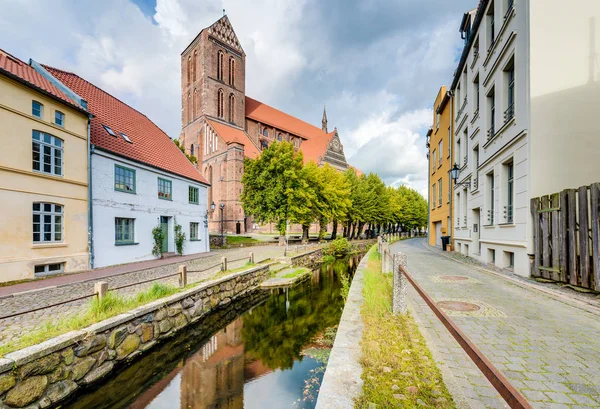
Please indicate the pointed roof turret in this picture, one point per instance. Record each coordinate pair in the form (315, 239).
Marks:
(324, 120)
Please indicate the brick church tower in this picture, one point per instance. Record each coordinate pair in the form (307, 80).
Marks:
(213, 78)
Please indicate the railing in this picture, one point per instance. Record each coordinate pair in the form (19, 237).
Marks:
(510, 5)
(491, 132)
(462, 108)
(475, 183)
(509, 113)
(508, 213)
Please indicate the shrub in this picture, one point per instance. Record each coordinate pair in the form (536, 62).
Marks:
(338, 248)
(158, 237)
(179, 239)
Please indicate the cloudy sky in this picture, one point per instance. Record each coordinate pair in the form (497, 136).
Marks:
(376, 64)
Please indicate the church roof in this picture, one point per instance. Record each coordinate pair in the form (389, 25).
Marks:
(235, 135)
(149, 144)
(223, 31)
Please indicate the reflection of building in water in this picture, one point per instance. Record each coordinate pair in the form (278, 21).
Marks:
(214, 377)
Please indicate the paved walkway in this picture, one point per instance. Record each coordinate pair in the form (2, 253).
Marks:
(547, 349)
(42, 293)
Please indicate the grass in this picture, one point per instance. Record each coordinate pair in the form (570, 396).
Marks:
(295, 273)
(241, 240)
(398, 369)
(113, 304)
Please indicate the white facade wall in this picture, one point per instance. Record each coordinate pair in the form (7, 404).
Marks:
(494, 240)
(145, 207)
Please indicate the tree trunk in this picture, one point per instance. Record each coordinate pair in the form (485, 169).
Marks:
(322, 229)
(305, 228)
(351, 234)
(359, 230)
(334, 229)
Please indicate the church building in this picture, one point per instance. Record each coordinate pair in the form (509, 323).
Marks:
(221, 125)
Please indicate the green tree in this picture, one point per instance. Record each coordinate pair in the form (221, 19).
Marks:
(191, 158)
(332, 194)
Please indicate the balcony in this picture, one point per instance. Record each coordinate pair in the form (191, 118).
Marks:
(491, 132)
(509, 113)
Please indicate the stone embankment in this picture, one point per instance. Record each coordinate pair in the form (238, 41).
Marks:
(46, 374)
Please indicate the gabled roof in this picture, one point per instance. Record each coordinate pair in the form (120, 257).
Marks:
(20, 71)
(223, 31)
(234, 135)
(149, 144)
(314, 149)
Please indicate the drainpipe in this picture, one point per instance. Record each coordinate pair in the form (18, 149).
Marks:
(451, 142)
(90, 207)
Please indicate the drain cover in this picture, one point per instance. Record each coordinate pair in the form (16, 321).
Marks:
(459, 306)
(454, 278)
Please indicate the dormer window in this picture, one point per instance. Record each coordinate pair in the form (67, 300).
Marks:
(125, 137)
(110, 131)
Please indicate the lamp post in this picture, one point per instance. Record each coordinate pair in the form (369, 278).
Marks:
(222, 206)
(454, 173)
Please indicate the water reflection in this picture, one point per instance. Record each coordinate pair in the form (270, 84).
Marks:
(269, 356)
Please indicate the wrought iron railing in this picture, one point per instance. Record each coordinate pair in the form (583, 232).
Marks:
(491, 132)
(508, 213)
(509, 113)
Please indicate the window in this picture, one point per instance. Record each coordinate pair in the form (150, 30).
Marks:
(464, 205)
(110, 131)
(194, 65)
(434, 160)
(509, 191)
(476, 49)
(46, 269)
(124, 230)
(263, 144)
(220, 65)
(47, 222)
(231, 107)
(59, 118)
(509, 6)
(433, 194)
(466, 146)
(194, 231)
(124, 179)
(490, 212)
(457, 154)
(475, 166)
(164, 189)
(192, 150)
(476, 89)
(449, 141)
(220, 110)
(47, 153)
(193, 193)
(491, 29)
(265, 132)
(37, 109)
(509, 74)
(232, 71)
(279, 137)
(189, 69)
(449, 190)
(125, 137)
(440, 150)
(440, 188)
(492, 110)
(437, 120)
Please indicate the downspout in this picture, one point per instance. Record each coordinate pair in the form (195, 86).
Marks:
(90, 207)
(451, 142)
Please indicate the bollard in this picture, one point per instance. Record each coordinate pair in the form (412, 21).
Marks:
(101, 288)
(399, 297)
(252, 257)
(182, 276)
(223, 263)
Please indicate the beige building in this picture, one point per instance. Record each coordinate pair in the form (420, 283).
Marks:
(43, 175)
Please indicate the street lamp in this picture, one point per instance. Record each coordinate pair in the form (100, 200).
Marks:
(212, 206)
(222, 206)
(454, 173)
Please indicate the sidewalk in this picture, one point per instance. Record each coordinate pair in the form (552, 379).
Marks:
(547, 349)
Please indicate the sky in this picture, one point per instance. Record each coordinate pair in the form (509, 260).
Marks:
(377, 65)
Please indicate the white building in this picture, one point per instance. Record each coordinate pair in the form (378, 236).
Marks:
(512, 142)
(140, 181)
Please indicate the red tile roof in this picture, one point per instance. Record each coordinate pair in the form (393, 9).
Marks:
(23, 72)
(150, 146)
(235, 135)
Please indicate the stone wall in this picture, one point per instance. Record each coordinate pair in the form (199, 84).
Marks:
(308, 260)
(217, 241)
(44, 375)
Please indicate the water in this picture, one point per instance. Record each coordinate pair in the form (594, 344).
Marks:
(265, 351)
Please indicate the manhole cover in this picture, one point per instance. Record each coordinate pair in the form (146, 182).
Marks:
(459, 306)
(454, 278)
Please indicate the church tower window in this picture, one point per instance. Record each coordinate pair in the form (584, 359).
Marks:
(265, 132)
(194, 104)
(231, 108)
(279, 137)
(263, 144)
(220, 110)
(189, 108)
(192, 150)
(194, 65)
(189, 69)
(232, 72)
(220, 65)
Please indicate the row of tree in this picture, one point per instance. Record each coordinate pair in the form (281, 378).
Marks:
(280, 189)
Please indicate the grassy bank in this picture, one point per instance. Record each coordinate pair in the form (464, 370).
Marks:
(398, 370)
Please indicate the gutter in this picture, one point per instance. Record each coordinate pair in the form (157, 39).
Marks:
(90, 207)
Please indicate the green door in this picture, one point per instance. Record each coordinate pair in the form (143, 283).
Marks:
(164, 224)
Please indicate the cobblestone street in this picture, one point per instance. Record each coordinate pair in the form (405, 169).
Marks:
(12, 328)
(549, 350)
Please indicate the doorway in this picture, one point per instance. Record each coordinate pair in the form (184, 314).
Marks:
(164, 225)
(238, 228)
(438, 233)
(476, 230)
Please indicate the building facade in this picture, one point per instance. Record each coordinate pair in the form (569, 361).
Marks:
(43, 176)
(140, 181)
(221, 125)
(440, 161)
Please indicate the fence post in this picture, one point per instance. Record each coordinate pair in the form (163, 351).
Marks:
(182, 276)
(223, 263)
(399, 297)
(100, 288)
(252, 257)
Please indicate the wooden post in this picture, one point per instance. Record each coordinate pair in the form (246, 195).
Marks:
(572, 237)
(584, 258)
(100, 288)
(223, 263)
(595, 218)
(182, 276)
(562, 236)
(555, 243)
(535, 205)
(399, 288)
(252, 257)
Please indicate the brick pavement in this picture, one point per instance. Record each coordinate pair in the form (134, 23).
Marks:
(13, 328)
(547, 349)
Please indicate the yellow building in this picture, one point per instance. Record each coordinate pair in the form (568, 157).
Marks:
(439, 140)
(43, 175)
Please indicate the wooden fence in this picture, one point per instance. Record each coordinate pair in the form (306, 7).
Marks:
(565, 236)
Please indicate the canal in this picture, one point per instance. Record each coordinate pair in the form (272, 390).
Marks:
(268, 349)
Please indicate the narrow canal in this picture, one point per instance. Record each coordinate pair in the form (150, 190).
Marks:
(268, 350)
